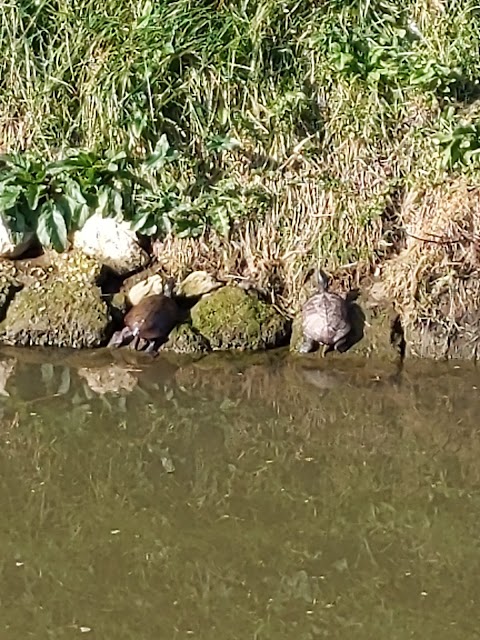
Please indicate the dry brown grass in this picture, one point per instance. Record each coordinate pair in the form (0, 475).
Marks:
(16, 130)
(435, 277)
(312, 219)
(334, 201)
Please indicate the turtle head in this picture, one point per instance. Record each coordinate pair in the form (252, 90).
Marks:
(169, 287)
(321, 279)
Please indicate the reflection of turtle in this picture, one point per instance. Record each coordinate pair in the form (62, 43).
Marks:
(149, 322)
(323, 380)
(325, 319)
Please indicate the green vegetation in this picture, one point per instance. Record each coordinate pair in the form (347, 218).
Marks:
(53, 198)
(272, 72)
(326, 112)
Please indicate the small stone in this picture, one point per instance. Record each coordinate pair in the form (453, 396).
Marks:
(148, 287)
(198, 283)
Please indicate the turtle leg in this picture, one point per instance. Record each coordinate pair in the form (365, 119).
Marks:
(151, 346)
(120, 338)
(115, 340)
(307, 345)
(139, 343)
(326, 349)
(134, 342)
(155, 345)
(342, 345)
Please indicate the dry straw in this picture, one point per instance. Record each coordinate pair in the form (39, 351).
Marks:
(435, 275)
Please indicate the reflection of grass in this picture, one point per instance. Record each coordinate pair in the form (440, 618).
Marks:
(350, 513)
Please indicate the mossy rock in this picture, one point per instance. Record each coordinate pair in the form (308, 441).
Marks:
(76, 266)
(231, 318)
(57, 312)
(185, 339)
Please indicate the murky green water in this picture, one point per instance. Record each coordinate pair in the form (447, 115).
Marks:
(240, 499)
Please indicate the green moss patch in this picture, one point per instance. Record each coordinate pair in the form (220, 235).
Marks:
(231, 318)
(185, 339)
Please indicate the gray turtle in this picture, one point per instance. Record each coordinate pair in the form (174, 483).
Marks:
(325, 319)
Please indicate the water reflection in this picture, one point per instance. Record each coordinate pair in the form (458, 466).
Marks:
(109, 379)
(238, 497)
(7, 367)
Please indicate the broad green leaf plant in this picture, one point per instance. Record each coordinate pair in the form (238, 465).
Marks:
(55, 198)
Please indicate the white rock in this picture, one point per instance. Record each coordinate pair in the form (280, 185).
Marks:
(144, 288)
(8, 247)
(197, 284)
(112, 243)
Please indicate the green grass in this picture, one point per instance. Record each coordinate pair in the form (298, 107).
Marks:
(367, 98)
(273, 72)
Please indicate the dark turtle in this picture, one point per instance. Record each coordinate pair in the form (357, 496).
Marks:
(149, 322)
(325, 319)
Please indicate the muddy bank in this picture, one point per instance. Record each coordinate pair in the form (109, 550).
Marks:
(70, 300)
(422, 301)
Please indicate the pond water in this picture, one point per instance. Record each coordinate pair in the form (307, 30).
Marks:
(250, 497)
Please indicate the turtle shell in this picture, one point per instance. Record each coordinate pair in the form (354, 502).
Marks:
(153, 317)
(325, 318)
